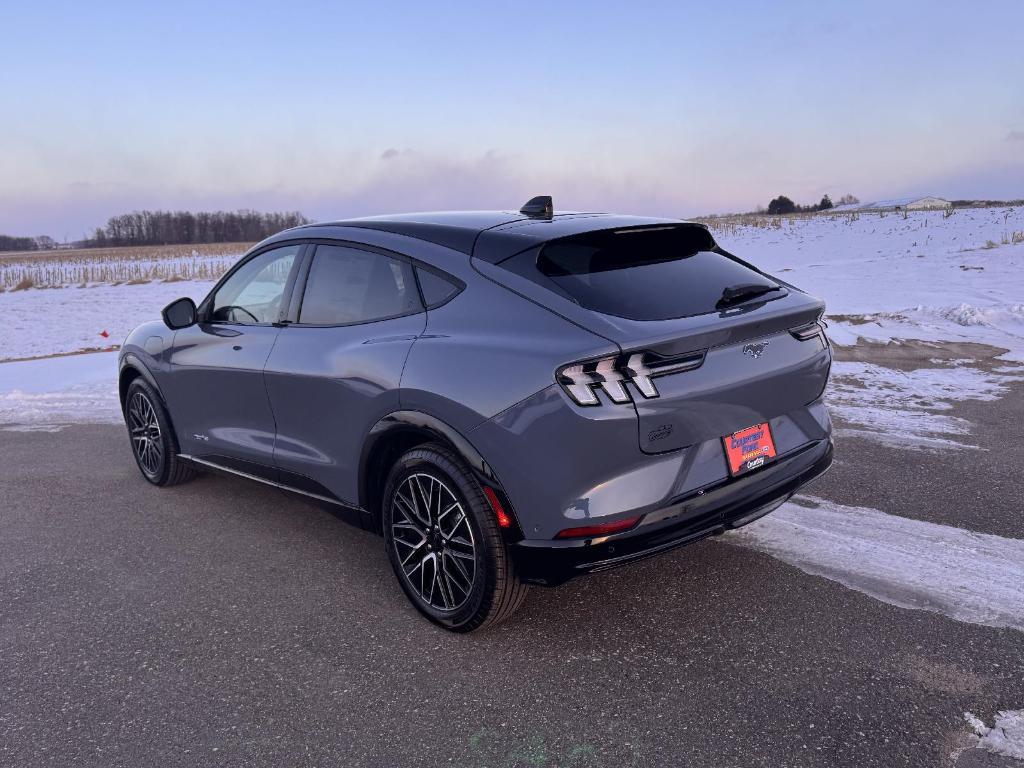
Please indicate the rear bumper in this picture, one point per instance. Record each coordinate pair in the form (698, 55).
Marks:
(705, 512)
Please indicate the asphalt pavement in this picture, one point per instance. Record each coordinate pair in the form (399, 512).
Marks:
(221, 623)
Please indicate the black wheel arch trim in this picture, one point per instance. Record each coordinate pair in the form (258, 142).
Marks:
(131, 360)
(428, 426)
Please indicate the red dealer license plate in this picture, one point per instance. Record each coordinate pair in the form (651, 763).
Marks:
(749, 448)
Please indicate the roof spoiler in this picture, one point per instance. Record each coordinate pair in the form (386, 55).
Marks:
(540, 207)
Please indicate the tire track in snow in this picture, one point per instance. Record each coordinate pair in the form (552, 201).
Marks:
(971, 577)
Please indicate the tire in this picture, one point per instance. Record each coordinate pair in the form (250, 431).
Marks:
(450, 595)
(154, 445)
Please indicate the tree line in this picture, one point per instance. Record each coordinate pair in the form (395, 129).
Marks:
(8, 243)
(170, 228)
(179, 227)
(783, 205)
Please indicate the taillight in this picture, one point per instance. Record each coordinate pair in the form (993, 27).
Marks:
(808, 332)
(612, 374)
(599, 529)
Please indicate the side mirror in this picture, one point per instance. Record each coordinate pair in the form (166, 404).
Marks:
(180, 313)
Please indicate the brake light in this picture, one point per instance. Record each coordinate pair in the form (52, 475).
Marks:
(504, 521)
(611, 374)
(599, 529)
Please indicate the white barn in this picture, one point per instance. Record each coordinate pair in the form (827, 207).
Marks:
(928, 204)
(900, 204)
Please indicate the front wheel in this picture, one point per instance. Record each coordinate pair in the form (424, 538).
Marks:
(153, 442)
(444, 542)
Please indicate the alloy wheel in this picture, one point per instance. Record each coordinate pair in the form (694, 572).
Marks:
(145, 433)
(434, 542)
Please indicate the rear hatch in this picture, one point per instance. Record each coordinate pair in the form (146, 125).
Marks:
(710, 344)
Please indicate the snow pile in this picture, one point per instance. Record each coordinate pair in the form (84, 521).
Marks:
(970, 577)
(964, 314)
(1005, 737)
(908, 409)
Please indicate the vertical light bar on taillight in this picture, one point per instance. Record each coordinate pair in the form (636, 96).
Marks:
(640, 375)
(611, 380)
(577, 383)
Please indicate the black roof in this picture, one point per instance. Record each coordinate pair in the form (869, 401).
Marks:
(494, 235)
(457, 230)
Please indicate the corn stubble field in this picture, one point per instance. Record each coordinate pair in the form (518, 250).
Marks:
(139, 265)
(132, 265)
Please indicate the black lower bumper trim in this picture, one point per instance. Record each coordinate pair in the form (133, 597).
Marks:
(731, 505)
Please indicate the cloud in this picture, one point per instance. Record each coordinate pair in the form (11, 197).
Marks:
(1015, 136)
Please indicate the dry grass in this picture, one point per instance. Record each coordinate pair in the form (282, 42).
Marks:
(731, 224)
(134, 265)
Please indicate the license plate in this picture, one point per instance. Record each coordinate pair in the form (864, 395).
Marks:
(749, 449)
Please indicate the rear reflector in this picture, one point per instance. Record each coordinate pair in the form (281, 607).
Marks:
(600, 529)
(504, 521)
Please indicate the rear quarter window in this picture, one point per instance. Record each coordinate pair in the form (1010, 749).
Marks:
(436, 289)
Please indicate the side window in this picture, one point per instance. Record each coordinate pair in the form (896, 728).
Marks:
(253, 294)
(436, 290)
(347, 285)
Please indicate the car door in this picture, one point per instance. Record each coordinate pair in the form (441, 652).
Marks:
(336, 368)
(215, 386)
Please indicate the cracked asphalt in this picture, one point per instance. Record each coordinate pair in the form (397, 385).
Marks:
(222, 623)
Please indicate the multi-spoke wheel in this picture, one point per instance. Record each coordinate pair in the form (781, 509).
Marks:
(145, 431)
(434, 541)
(444, 542)
(153, 442)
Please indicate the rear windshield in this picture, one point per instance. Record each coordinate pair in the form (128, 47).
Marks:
(643, 274)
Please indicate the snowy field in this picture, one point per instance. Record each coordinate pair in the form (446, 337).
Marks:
(885, 277)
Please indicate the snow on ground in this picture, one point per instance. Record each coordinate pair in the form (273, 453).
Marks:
(1005, 737)
(48, 393)
(909, 409)
(47, 321)
(971, 577)
(883, 277)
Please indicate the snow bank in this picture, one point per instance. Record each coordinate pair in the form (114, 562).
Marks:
(61, 390)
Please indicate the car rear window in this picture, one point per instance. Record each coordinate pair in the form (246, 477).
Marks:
(650, 273)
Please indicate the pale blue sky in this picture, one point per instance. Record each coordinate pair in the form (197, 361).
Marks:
(670, 108)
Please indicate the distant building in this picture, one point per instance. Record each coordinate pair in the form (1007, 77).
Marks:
(901, 204)
(928, 204)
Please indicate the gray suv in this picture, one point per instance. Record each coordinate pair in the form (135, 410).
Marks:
(507, 398)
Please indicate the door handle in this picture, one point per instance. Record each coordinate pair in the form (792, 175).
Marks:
(237, 347)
